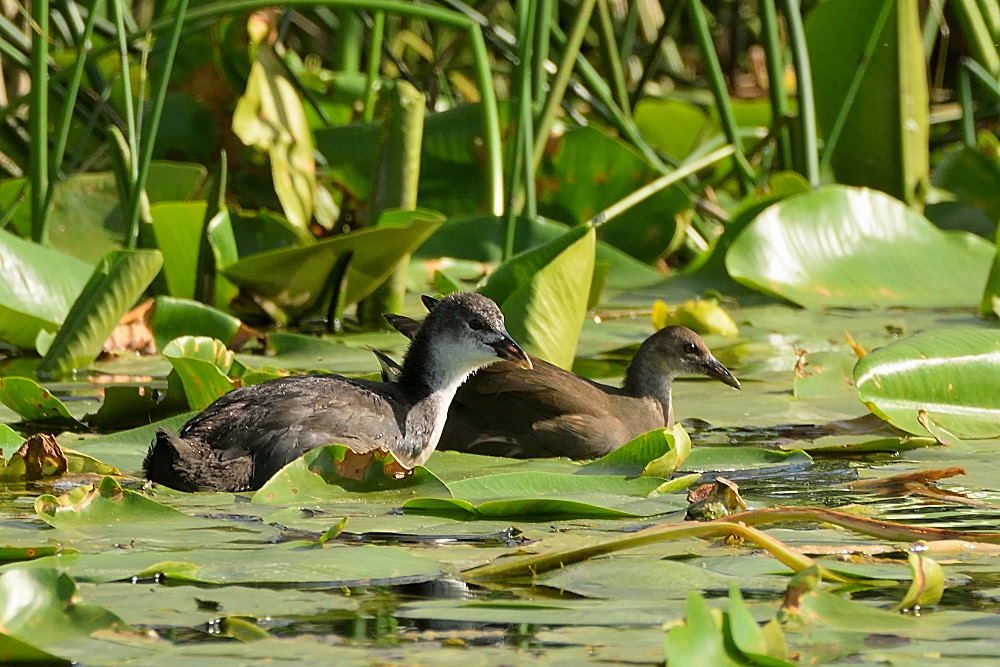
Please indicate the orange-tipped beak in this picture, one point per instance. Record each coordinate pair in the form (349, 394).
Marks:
(511, 351)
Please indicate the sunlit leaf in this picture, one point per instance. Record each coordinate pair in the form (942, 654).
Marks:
(202, 365)
(116, 284)
(32, 401)
(927, 586)
(293, 279)
(38, 288)
(857, 248)
(948, 373)
(321, 476)
(270, 116)
(543, 293)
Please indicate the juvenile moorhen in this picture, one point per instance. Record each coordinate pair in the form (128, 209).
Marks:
(239, 441)
(548, 412)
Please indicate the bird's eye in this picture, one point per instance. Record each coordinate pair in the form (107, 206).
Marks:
(690, 348)
(476, 325)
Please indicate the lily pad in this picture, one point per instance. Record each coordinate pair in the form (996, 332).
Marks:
(551, 495)
(32, 401)
(948, 373)
(40, 605)
(202, 364)
(320, 475)
(287, 563)
(857, 248)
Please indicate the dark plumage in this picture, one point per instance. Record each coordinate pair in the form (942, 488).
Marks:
(549, 411)
(242, 439)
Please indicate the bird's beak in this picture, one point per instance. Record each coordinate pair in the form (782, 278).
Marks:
(507, 349)
(714, 369)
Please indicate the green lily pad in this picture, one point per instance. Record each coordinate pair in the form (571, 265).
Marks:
(741, 458)
(948, 373)
(647, 454)
(857, 248)
(96, 507)
(317, 477)
(40, 605)
(549, 494)
(287, 563)
(32, 401)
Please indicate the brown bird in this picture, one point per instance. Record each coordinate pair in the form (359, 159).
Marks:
(246, 436)
(508, 411)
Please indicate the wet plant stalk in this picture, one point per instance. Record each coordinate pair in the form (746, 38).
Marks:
(609, 46)
(536, 564)
(520, 182)
(648, 190)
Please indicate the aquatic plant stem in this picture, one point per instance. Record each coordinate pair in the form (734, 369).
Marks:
(38, 121)
(145, 155)
(808, 132)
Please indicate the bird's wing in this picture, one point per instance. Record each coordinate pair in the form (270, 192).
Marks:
(280, 420)
(580, 436)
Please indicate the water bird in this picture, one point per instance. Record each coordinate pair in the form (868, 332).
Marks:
(549, 412)
(239, 441)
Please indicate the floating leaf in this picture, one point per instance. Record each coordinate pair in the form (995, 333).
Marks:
(704, 316)
(40, 605)
(95, 507)
(32, 401)
(285, 563)
(948, 373)
(857, 248)
(322, 475)
(549, 494)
